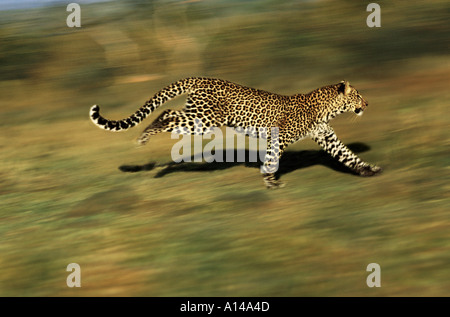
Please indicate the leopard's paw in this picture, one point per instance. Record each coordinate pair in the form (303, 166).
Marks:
(369, 170)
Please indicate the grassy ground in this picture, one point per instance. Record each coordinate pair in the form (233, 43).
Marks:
(213, 229)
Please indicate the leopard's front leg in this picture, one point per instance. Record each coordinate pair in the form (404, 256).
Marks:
(328, 140)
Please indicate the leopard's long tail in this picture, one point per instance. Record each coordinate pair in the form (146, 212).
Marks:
(170, 92)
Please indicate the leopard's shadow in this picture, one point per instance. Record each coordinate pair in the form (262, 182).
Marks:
(290, 161)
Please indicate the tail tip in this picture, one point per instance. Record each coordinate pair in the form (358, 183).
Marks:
(95, 108)
(94, 112)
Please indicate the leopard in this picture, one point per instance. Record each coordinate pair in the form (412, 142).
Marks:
(213, 102)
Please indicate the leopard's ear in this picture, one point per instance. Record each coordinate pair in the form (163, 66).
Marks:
(344, 87)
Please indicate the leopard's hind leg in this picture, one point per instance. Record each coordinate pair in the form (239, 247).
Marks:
(180, 122)
(164, 123)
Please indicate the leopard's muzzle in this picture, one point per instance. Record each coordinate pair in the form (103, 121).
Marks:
(363, 106)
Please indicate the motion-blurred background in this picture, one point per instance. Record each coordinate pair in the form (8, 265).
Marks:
(213, 229)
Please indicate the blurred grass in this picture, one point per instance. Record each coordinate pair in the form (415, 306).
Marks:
(219, 232)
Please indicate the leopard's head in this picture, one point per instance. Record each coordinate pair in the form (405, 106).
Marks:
(351, 98)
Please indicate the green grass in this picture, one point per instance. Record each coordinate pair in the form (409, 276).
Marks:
(214, 230)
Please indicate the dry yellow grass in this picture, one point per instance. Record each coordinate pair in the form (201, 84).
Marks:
(214, 230)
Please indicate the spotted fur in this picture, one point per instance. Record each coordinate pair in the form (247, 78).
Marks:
(215, 102)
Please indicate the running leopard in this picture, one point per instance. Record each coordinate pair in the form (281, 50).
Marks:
(215, 103)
